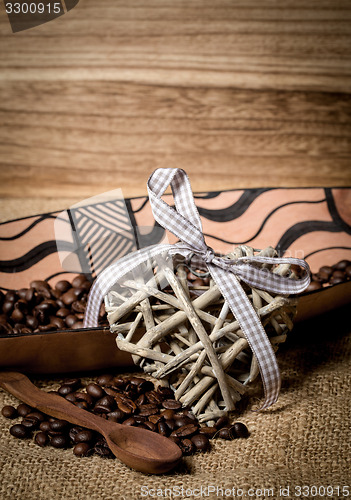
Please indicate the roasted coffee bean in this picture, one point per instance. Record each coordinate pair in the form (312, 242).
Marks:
(44, 426)
(79, 306)
(77, 325)
(63, 286)
(30, 423)
(107, 401)
(314, 285)
(239, 430)
(221, 422)
(95, 391)
(82, 396)
(82, 450)
(70, 320)
(171, 404)
(125, 404)
(84, 436)
(57, 322)
(59, 441)
(73, 431)
(119, 382)
(148, 409)
(187, 446)
(41, 439)
(154, 397)
(79, 280)
(166, 392)
(181, 420)
(63, 312)
(7, 307)
(32, 322)
(58, 425)
(23, 409)
(170, 424)
(105, 379)
(9, 411)
(78, 292)
(39, 285)
(342, 265)
(129, 421)
(149, 425)
(141, 400)
(225, 433)
(19, 431)
(81, 404)
(116, 415)
(201, 442)
(65, 389)
(101, 409)
(111, 392)
(155, 418)
(50, 327)
(68, 297)
(17, 315)
(162, 428)
(185, 431)
(102, 449)
(71, 397)
(169, 415)
(208, 431)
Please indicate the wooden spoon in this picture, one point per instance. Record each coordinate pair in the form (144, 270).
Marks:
(140, 449)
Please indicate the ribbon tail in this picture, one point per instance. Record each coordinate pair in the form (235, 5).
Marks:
(253, 330)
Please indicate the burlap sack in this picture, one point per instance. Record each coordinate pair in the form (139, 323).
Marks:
(302, 441)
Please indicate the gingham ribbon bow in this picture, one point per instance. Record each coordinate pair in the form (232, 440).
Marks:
(184, 222)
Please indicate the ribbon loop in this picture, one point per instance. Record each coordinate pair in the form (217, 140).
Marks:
(185, 223)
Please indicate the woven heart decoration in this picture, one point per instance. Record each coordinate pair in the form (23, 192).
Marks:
(196, 342)
(187, 334)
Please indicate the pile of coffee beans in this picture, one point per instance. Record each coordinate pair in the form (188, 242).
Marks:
(41, 308)
(126, 400)
(330, 275)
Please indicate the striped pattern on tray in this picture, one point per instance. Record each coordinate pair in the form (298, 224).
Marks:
(311, 223)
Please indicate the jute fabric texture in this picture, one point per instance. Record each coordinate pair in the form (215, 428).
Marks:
(304, 439)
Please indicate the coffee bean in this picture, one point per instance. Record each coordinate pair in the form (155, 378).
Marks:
(240, 430)
(95, 391)
(63, 286)
(342, 265)
(225, 433)
(19, 431)
(162, 428)
(30, 423)
(41, 439)
(221, 422)
(208, 431)
(44, 426)
(125, 404)
(116, 415)
(82, 450)
(106, 379)
(59, 441)
(185, 430)
(79, 280)
(32, 322)
(181, 420)
(201, 442)
(84, 436)
(9, 411)
(70, 320)
(23, 409)
(58, 425)
(149, 425)
(171, 404)
(129, 421)
(169, 414)
(148, 409)
(187, 446)
(65, 389)
(57, 322)
(63, 312)
(68, 297)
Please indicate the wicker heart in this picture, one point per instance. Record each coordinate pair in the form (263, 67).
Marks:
(178, 328)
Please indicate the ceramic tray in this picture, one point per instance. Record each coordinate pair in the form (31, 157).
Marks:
(310, 223)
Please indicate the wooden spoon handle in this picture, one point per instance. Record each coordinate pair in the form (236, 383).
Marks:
(22, 388)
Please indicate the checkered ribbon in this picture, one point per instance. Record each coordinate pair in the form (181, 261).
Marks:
(184, 222)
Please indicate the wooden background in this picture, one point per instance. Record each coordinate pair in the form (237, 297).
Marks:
(240, 94)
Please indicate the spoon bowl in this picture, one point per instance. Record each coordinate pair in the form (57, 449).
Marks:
(140, 449)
